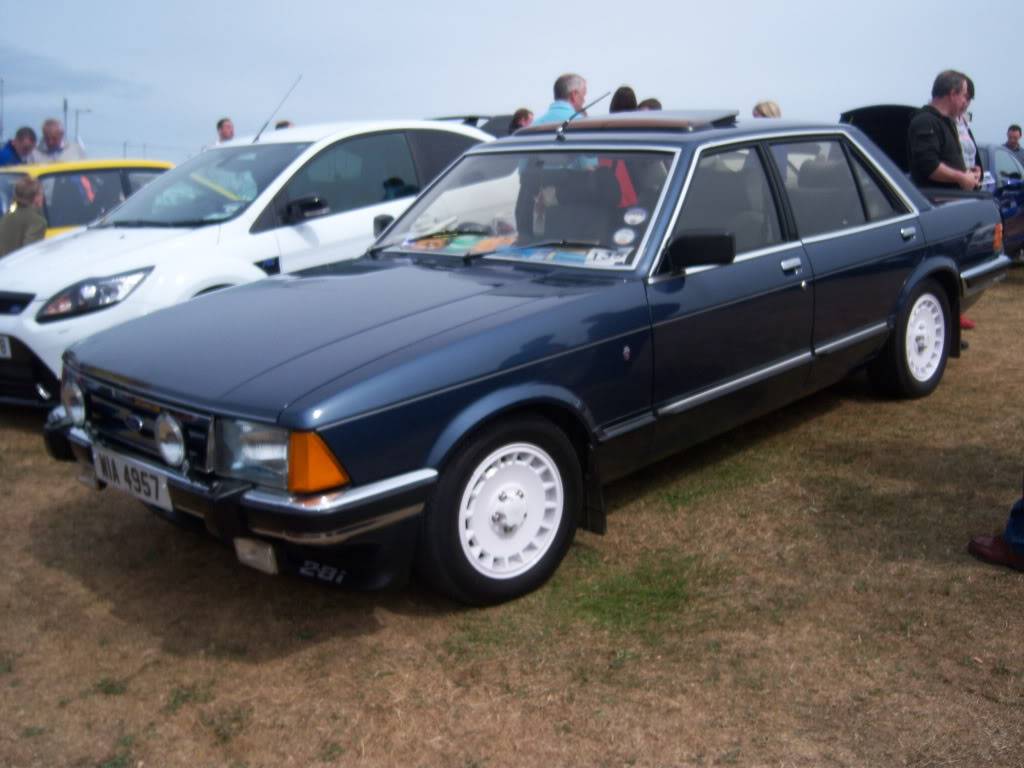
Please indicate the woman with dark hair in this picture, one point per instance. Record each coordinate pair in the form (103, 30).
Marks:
(624, 100)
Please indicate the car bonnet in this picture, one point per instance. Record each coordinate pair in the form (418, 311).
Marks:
(254, 349)
(49, 266)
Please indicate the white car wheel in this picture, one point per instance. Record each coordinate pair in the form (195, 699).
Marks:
(510, 511)
(925, 342)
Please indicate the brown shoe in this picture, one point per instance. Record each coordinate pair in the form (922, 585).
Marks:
(993, 549)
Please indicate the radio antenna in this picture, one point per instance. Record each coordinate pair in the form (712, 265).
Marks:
(560, 133)
(277, 108)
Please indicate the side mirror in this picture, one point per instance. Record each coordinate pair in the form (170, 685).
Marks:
(698, 249)
(308, 207)
(381, 222)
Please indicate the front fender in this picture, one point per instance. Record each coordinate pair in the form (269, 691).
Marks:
(495, 404)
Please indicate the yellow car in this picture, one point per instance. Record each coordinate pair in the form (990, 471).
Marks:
(79, 192)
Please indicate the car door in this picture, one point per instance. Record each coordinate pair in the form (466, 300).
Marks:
(861, 238)
(345, 186)
(1009, 195)
(730, 341)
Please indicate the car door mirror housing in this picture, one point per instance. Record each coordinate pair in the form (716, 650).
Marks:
(308, 207)
(697, 249)
(381, 222)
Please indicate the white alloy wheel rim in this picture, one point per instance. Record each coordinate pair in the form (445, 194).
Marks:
(926, 337)
(511, 510)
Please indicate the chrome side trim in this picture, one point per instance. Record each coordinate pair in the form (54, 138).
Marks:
(983, 275)
(728, 387)
(328, 538)
(858, 229)
(853, 338)
(746, 256)
(338, 501)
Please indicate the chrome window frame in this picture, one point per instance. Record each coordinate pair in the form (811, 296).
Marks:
(741, 142)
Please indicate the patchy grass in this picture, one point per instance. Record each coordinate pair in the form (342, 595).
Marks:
(183, 695)
(793, 593)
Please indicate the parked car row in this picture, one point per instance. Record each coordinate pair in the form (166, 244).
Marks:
(77, 193)
(233, 214)
(559, 308)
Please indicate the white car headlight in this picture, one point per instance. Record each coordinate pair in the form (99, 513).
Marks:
(91, 294)
(248, 450)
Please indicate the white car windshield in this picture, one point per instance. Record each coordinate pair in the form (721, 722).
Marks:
(212, 187)
(576, 208)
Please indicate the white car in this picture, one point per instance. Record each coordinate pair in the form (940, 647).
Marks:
(234, 213)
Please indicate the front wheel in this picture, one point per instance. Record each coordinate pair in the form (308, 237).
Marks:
(915, 358)
(503, 514)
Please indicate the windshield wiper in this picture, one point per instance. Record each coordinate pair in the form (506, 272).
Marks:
(373, 250)
(562, 244)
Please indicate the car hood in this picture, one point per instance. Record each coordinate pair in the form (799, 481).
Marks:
(255, 349)
(49, 266)
(886, 125)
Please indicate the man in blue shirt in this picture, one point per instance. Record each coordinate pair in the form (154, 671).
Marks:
(17, 150)
(570, 96)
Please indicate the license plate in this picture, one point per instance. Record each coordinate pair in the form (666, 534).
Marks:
(5, 347)
(132, 477)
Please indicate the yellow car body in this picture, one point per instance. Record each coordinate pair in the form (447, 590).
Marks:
(79, 192)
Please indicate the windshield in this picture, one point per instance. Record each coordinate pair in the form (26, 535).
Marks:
(577, 208)
(212, 187)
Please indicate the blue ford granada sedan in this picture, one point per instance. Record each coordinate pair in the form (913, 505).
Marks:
(558, 309)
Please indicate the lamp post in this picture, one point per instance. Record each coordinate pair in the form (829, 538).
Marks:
(77, 113)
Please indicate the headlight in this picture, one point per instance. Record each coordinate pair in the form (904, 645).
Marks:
(247, 450)
(170, 439)
(73, 399)
(267, 455)
(91, 295)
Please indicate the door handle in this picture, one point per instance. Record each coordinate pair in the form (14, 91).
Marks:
(791, 265)
(907, 233)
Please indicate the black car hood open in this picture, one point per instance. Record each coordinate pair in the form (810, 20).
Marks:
(886, 125)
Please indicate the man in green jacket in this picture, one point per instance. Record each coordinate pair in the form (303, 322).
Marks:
(25, 224)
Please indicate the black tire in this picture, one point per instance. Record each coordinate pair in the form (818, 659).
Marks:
(918, 373)
(514, 533)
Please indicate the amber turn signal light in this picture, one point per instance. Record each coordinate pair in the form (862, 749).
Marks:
(311, 465)
(997, 239)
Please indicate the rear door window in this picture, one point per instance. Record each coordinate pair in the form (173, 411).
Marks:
(436, 150)
(820, 186)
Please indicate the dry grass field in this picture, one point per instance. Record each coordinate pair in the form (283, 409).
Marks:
(794, 593)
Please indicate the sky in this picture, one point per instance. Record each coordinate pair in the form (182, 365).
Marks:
(153, 77)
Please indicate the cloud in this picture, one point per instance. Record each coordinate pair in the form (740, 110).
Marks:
(31, 78)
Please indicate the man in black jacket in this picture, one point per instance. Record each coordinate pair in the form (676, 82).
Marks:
(933, 143)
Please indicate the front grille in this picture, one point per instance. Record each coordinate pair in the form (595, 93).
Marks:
(127, 422)
(14, 303)
(23, 375)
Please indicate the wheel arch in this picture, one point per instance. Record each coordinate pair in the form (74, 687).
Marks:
(554, 404)
(944, 272)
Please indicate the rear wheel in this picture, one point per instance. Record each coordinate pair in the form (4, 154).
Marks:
(503, 514)
(915, 358)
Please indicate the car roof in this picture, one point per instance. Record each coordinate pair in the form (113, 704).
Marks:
(45, 169)
(320, 131)
(660, 127)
